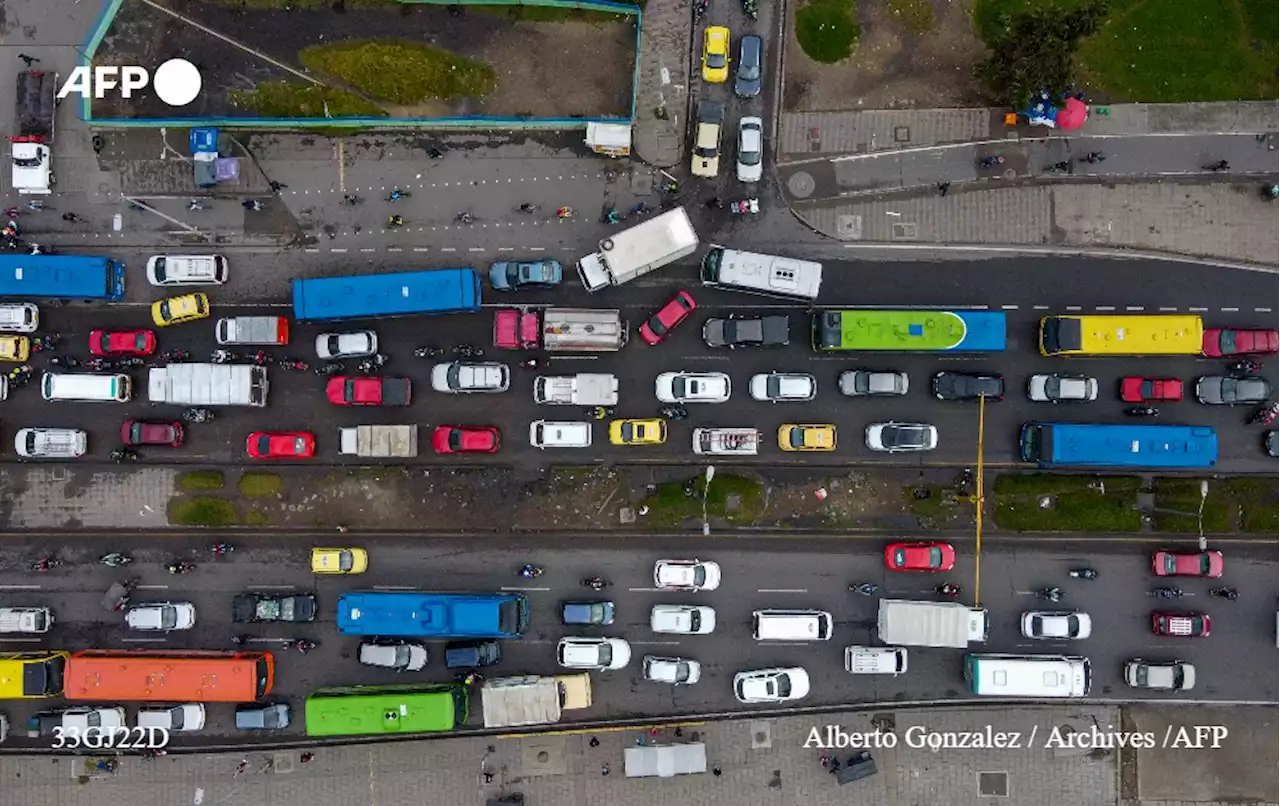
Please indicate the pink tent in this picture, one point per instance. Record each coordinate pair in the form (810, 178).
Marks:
(1073, 115)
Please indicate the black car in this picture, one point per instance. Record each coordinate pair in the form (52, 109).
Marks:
(749, 76)
(248, 608)
(967, 386)
(750, 331)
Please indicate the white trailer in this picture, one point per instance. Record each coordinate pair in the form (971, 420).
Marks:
(208, 384)
(379, 441)
(937, 624)
(584, 389)
(510, 702)
(639, 250)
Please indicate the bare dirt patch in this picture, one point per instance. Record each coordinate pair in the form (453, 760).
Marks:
(893, 67)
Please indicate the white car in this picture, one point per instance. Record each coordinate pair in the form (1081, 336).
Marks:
(599, 654)
(777, 387)
(682, 619)
(894, 437)
(750, 149)
(771, 685)
(184, 717)
(1055, 388)
(686, 575)
(1172, 675)
(692, 387)
(675, 671)
(161, 616)
(462, 377)
(351, 344)
(1051, 625)
(98, 716)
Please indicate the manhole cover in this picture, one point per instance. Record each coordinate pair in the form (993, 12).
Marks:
(761, 735)
(905, 232)
(993, 784)
(901, 134)
(732, 502)
(849, 227)
(801, 184)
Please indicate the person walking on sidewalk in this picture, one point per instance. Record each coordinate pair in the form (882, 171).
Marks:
(28, 59)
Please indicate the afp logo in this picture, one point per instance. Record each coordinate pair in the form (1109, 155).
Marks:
(177, 82)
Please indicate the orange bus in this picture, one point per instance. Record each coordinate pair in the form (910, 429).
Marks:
(144, 675)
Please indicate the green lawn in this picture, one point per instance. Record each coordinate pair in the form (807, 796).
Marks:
(827, 30)
(201, 511)
(260, 484)
(1258, 499)
(294, 99)
(671, 506)
(1232, 506)
(1015, 503)
(401, 72)
(193, 481)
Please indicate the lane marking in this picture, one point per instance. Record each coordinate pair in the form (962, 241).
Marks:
(1074, 308)
(151, 587)
(1231, 310)
(1009, 307)
(655, 643)
(394, 588)
(1105, 308)
(1262, 310)
(782, 590)
(19, 587)
(1168, 309)
(644, 590)
(1039, 307)
(272, 588)
(143, 640)
(20, 640)
(1134, 308)
(1198, 310)
(513, 588)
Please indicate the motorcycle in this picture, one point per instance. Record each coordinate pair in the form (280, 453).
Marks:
(1058, 167)
(1265, 415)
(220, 549)
(115, 559)
(397, 194)
(175, 355)
(467, 351)
(744, 206)
(675, 412)
(64, 361)
(700, 7)
(639, 209)
(595, 583)
(564, 212)
(1220, 165)
(120, 455)
(331, 368)
(428, 352)
(295, 364)
(464, 218)
(1166, 593)
(865, 588)
(469, 678)
(128, 363)
(1229, 594)
(947, 589)
(223, 357)
(350, 200)
(1083, 573)
(610, 217)
(21, 376)
(302, 645)
(600, 412)
(367, 367)
(1094, 157)
(750, 8)
(990, 162)
(530, 571)
(45, 342)
(260, 358)
(529, 209)
(45, 564)
(530, 363)
(1050, 594)
(1245, 366)
(180, 567)
(1142, 411)
(241, 640)
(197, 415)
(95, 364)
(1270, 192)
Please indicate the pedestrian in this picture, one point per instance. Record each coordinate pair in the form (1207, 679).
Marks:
(943, 187)
(835, 765)
(488, 777)
(714, 202)
(307, 758)
(72, 217)
(27, 59)
(276, 186)
(653, 732)
(824, 760)
(251, 204)
(10, 212)
(679, 732)
(241, 767)
(716, 771)
(594, 742)
(604, 768)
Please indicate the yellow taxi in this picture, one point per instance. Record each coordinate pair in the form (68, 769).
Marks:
(339, 561)
(796, 437)
(176, 310)
(638, 432)
(15, 348)
(715, 55)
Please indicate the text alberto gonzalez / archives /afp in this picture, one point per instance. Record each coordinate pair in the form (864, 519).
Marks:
(1186, 737)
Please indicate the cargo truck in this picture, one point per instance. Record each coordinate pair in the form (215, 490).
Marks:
(584, 389)
(379, 441)
(511, 702)
(639, 250)
(256, 330)
(31, 153)
(208, 384)
(560, 330)
(937, 624)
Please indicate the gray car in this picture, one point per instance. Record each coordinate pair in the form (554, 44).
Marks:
(867, 383)
(747, 331)
(1224, 390)
(268, 716)
(749, 76)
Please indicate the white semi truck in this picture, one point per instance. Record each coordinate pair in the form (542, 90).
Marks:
(639, 250)
(379, 441)
(937, 624)
(208, 384)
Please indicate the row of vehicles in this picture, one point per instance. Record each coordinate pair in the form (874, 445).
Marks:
(748, 81)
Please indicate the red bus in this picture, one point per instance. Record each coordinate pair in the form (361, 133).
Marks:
(144, 675)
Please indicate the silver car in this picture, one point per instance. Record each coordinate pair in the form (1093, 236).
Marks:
(1048, 625)
(894, 437)
(1160, 675)
(867, 383)
(1057, 388)
(778, 387)
(351, 344)
(463, 377)
(675, 671)
(1224, 390)
(161, 616)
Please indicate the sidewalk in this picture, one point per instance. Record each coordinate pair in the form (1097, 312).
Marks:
(662, 86)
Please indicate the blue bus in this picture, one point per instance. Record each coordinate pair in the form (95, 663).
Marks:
(61, 277)
(909, 330)
(433, 615)
(399, 294)
(1190, 447)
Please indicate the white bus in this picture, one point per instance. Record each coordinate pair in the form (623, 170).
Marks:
(1027, 675)
(761, 274)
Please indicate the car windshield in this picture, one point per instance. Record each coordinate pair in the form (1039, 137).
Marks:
(797, 437)
(629, 432)
(264, 444)
(749, 72)
(1250, 389)
(657, 326)
(707, 151)
(683, 387)
(715, 60)
(746, 330)
(606, 655)
(783, 686)
(165, 313)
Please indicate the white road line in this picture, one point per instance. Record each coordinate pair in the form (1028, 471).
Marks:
(1039, 307)
(447, 249)
(1074, 308)
(272, 587)
(782, 590)
(655, 643)
(394, 588)
(368, 249)
(1230, 310)
(1134, 308)
(143, 640)
(1168, 309)
(644, 590)
(422, 249)
(1009, 307)
(513, 588)
(778, 643)
(151, 587)
(1198, 310)
(1262, 310)
(1105, 308)
(27, 640)
(394, 249)
(19, 587)
(337, 250)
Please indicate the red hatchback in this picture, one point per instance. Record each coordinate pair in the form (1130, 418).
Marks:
(1220, 341)
(1180, 625)
(122, 342)
(1141, 390)
(281, 445)
(1187, 563)
(466, 439)
(150, 432)
(656, 327)
(919, 557)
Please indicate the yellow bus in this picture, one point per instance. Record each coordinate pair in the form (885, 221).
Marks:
(26, 675)
(1135, 334)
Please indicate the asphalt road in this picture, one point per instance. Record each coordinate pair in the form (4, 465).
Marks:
(1237, 662)
(1026, 293)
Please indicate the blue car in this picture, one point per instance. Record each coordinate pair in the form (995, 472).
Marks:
(512, 275)
(597, 614)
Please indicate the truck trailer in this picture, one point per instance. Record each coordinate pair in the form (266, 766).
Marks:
(937, 624)
(639, 250)
(189, 384)
(560, 330)
(511, 702)
(379, 441)
(32, 156)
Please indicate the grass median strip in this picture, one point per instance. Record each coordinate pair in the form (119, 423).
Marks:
(1041, 502)
(735, 499)
(1231, 505)
(203, 511)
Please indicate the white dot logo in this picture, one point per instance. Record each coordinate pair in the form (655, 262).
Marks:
(177, 82)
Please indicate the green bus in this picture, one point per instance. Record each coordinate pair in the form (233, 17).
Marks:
(909, 330)
(392, 709)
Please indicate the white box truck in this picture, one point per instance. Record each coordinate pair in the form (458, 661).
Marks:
(208, 384)
(639, 250)
(510, 702)
(938, 624)
(379, 441)
(32, 158)
(584, 389)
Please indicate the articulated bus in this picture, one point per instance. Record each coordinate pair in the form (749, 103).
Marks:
(1186, 447)
(390, 709)
(433, 615)
(144, 675)
(1136, 334)
(909, 331)
(27, 675)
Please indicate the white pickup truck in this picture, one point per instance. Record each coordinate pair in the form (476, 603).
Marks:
(726, 441)
(584, 389)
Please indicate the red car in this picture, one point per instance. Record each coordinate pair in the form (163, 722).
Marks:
(919, 557)
(1220, 341)
(281, 445)
(358, 391)
(122, 342)
(1180, 625)
(1187, 563)
(466, 439)
(656, 327)
(1135, 389)
(150, 432)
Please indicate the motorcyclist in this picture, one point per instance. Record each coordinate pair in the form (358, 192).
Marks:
(531, 363)
(595, 583)
(114, 559)
(1084, 573)
(564, 212)
(991, 162)
(675, 412)
(948, 589)
(395, 221)
(1245, 365)
(1225, 593)
(528, 208)
(464, 218)
(1142, 411)
(612, 217)
(1052, 594)
(396, 195)
(600, 412)
(530, 571)
(180, 567)
(1167, 593)
(866, 588)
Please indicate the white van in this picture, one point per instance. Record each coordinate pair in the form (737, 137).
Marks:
(401, 656)
(791, 625)
(185, 717)
(549, 434)
(51, 443)
(187, 270)
(19, 317)
(31, 620)
(875, 660)
(80, 386)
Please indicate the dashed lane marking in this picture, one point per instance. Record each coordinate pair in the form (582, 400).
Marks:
(1105, 308)
(1074, 308)
(1134, 308)
(1198, 310)
(1230, 310)
(782, 590)
(1262, 310)
(1168, 309)
(19, 587)
(1039, 307)
(1009, 307)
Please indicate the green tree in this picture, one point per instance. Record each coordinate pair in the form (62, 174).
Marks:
(1035, 50)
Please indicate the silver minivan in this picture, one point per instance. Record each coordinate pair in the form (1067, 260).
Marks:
(51, 443)
(187, 270)
(401, 656)
(86, 387)
(875, 660)
(19, 317)
(791, 625)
